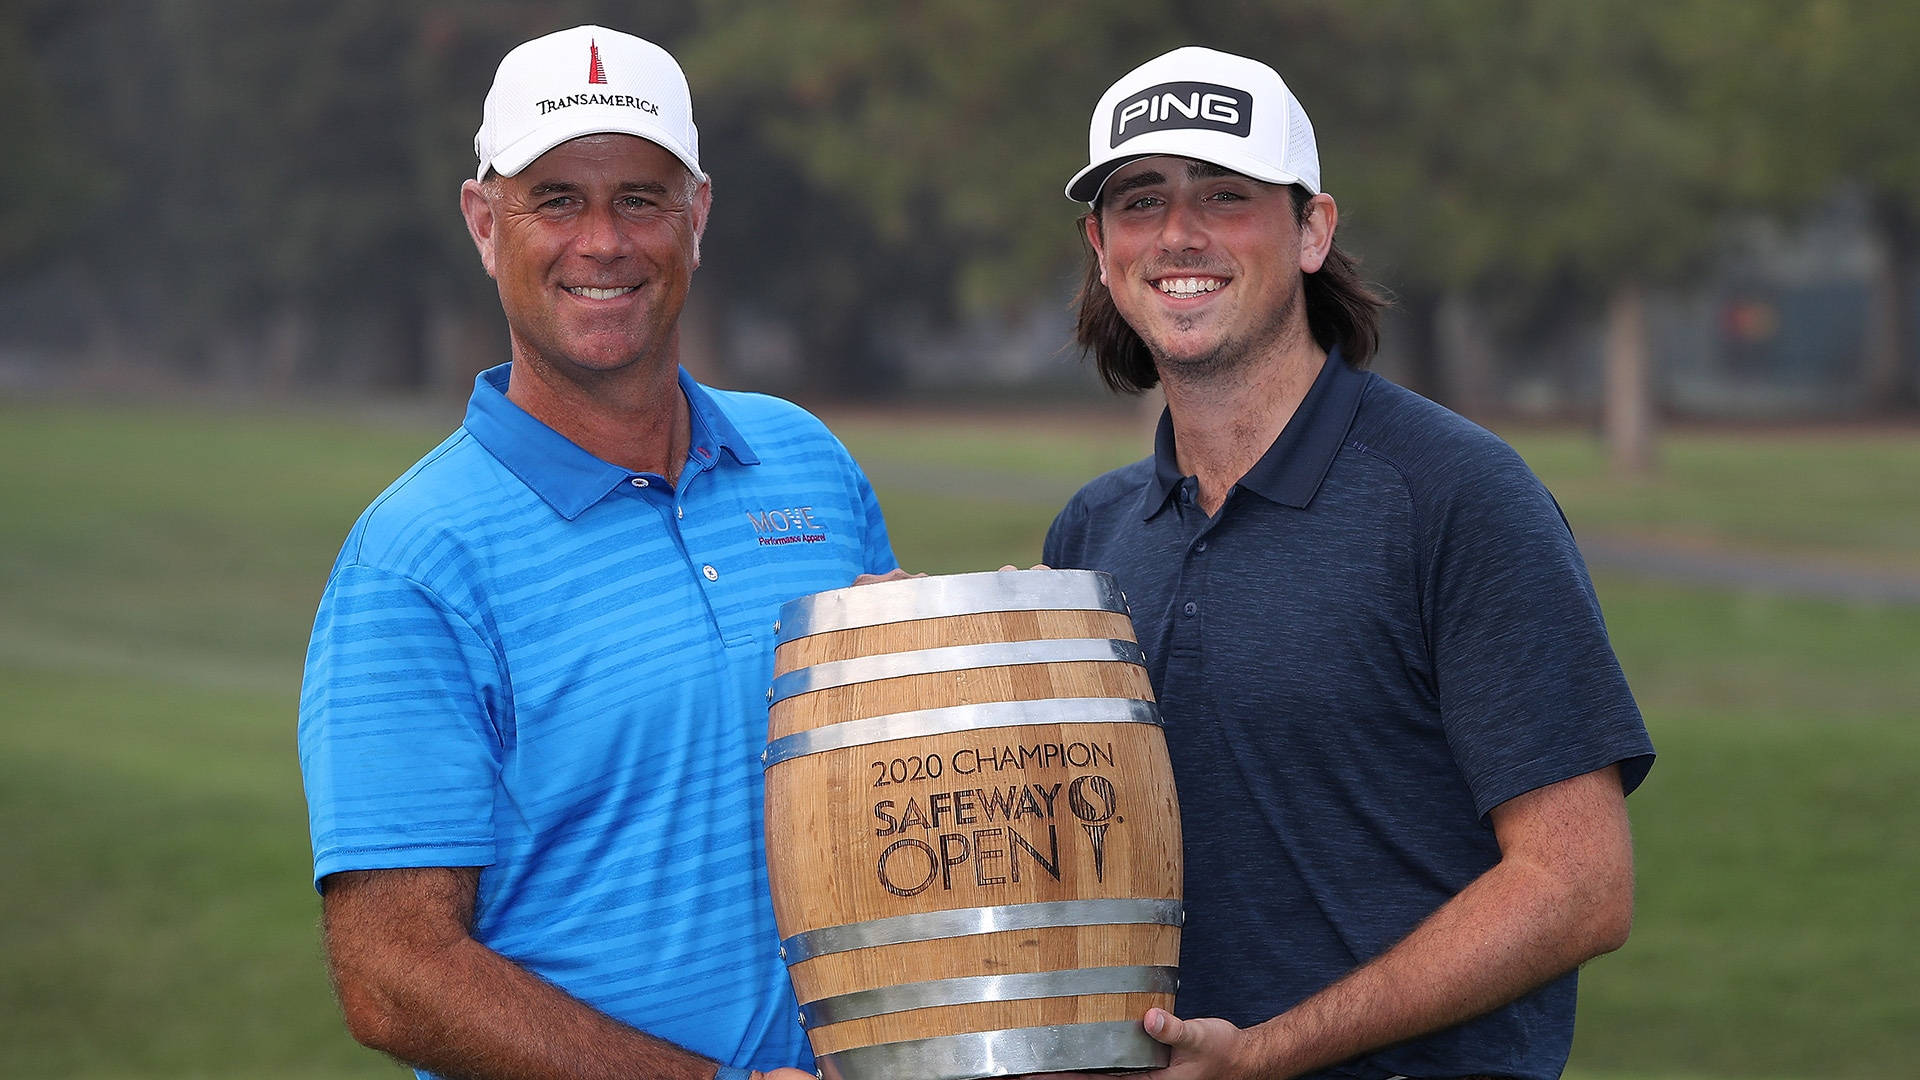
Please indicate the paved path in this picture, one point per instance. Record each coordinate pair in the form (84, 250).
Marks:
(1820, 578)
(1746, 570)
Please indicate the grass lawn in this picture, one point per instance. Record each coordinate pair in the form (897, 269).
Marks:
(159, 568)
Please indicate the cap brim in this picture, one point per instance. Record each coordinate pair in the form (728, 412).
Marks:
(517, 156)
(1086, 184)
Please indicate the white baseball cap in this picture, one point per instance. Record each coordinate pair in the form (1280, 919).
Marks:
(584, 81)
(1202, 104)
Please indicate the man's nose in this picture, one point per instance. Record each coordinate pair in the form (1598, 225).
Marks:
(1181, 227)
(602, 234)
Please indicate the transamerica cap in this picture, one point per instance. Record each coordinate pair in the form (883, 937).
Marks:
(1203, 104)
(584, 81)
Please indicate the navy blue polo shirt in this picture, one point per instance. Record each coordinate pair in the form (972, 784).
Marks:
(1384, 632)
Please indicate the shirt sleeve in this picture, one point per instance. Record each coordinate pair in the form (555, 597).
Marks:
(1530, 690)
(1066, 527)
(399, 744)
(876, 547)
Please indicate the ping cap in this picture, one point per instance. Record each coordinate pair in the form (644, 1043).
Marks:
(1204, 104)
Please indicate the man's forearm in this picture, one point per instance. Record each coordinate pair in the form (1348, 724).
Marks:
(414, 983)
(465, 1011)
(1562, 894)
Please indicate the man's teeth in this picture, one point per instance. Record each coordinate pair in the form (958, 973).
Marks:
(600, 294)
(1189, 286)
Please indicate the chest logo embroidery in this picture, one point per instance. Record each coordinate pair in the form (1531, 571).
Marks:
(789, 525)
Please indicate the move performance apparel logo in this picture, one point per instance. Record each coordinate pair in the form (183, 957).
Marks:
(597, 76)
(1204, 106)
(791, 525)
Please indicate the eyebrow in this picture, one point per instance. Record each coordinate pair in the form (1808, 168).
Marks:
(568, 187)
(1136, 181)
(1196, 170)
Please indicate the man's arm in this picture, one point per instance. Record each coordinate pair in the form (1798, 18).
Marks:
(414, 983)
(1561, 894)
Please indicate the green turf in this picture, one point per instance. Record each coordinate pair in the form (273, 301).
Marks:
(159, 567)
(1854, 498)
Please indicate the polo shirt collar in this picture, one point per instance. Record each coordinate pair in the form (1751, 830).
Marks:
(1291, 470)
(569, 478)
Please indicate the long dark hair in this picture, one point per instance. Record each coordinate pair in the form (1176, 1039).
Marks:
(1342, 310)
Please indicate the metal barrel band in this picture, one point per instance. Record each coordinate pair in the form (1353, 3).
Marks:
(1120, 1044)
(972, 989)
(954, 594)
(966, 922)
(862, 669)
(955, 718)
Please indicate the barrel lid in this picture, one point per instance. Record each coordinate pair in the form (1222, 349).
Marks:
(936, 596)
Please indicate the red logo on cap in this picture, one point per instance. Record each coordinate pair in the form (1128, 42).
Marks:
(595, 73)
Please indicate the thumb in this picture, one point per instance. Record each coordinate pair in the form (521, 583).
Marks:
(1165, 1027)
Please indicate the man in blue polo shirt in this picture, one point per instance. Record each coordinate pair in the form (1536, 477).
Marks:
(1400, 736)
(535, 694)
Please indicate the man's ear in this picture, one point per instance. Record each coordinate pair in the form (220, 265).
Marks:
(478, 211)
(702, 206)
(1316, 232)
(1091, 224)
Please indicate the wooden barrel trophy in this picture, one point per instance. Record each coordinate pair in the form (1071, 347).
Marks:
(971, 829)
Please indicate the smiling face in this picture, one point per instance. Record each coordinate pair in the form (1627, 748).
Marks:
(1206, 264)
(593, 246)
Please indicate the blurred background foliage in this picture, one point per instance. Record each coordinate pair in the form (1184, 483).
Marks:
(262, 194)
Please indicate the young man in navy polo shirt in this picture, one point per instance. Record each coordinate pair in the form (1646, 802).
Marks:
(1401, 739)
(534, 700)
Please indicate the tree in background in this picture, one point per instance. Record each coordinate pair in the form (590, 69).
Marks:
(265, 192)
(1818, 95)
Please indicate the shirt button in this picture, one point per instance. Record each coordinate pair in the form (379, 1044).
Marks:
(639, 481)
(679, 511)
(1201, 546)
(712, 574)
(1190, 608)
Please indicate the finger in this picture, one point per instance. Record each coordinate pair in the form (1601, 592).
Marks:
(891, 575)
(1165, 1027)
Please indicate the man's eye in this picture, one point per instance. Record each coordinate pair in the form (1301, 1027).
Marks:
(1225, 196)
(1144, 202)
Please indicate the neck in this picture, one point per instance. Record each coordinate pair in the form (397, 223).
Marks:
(636, 418)
(1224, 421)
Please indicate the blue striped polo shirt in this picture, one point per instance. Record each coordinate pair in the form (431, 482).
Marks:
(535, 662)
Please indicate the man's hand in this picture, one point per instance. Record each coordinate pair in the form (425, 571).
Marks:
(785, 1074)
(1207, 1049)
(891, 575)
(1204, 1049)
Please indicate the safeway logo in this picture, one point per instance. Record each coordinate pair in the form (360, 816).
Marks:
(791, 525)
(595, 73)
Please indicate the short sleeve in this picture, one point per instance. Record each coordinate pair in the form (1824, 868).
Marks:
(1053, 551)
(876, 547)
(399, 734)
(1530, 690)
